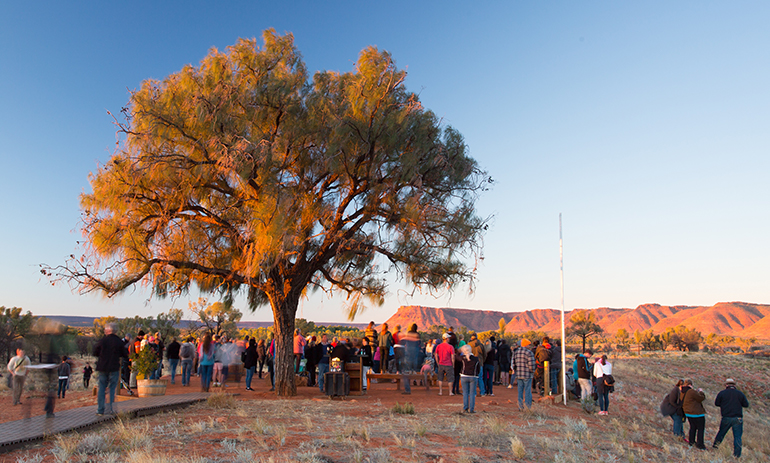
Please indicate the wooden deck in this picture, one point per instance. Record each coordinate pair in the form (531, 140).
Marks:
(15, 434)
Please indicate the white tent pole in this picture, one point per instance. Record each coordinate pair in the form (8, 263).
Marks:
(563, 340)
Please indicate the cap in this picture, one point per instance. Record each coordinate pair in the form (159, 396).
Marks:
(446, 335)
(729, 381)
(525, 342)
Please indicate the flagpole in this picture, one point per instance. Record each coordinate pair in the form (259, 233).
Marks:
(563, 340)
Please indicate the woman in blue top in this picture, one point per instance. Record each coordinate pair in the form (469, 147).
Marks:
(206, 356)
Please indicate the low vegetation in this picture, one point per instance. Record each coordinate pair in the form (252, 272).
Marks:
(370, 430)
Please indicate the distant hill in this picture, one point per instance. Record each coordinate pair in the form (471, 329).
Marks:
(725, 318)
(88, 322)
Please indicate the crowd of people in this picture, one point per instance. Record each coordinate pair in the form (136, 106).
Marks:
(470, 368)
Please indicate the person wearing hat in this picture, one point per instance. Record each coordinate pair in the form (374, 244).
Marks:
(731, 403)
(523, 366)
(445, 354)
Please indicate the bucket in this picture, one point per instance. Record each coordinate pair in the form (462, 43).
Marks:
(151, 387)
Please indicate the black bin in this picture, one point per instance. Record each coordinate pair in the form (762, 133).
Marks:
(336, 384)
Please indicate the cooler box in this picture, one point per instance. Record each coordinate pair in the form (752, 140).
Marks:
(336, 384)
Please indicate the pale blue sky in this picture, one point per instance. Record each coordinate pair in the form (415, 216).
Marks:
(644, 123)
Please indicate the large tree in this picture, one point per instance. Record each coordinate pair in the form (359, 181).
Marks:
(241, 174)
(583, 325)
(13, 326)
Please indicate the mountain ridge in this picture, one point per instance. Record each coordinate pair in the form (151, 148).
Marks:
(741, 319)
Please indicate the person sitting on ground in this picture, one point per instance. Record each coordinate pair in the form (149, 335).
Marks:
(731, 403)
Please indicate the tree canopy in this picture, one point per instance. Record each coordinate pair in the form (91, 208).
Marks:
(583, 325)
(14, 325)
(242, 174)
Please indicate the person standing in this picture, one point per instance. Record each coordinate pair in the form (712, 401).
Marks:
(692, 405)
(172, 354)
(366, 359)
(542, 355)
(371, 334)
(445, 355)
(672, 406)
(261, 357)
(87, 372)
(323, 360)
(186, 355)
(250, 362)
(64, 377)
(109, 350)
(299, 349)
(411, 359)
(555, 365)
(17, 367)
(477, 350)
(490, 354)
(523, 366)
(603, 368)
(582, 371)
(206, 352)
(731, 403)
(468, 378)
(386, 343)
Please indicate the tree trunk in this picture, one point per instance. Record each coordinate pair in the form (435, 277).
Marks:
(284, 315)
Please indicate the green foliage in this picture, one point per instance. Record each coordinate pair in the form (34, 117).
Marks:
(243, 175)
(145, 362)
(583, 325)
(648, 340)
(405, 409)
(682, 338)
(13, 326)
(218, 318)
(623, 340)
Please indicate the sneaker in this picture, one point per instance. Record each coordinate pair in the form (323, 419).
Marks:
(451, 393)
(510, 386)
(472, 411)
(491, 395)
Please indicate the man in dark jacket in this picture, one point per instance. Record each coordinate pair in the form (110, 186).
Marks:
(172, 354)
(542, 355)
(731, 402)
(108, 350)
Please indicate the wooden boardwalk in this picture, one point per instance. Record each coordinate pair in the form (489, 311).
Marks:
(15, 434)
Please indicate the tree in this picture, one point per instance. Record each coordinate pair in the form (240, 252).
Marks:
(501, 323)
(622, 339)
(648, 340)
(166, 324)
(240, 175)
(218, 318)
(682, 338)
(583, 326)
(100, 323)
(13, 326)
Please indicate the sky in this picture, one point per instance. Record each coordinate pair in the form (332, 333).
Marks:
(643, 123)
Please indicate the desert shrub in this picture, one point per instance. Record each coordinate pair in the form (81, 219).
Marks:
(517, 447)
(221, 400)
(406, 409)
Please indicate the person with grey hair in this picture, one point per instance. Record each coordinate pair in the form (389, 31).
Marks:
(109, 350)
(17, 367)
(469, 374)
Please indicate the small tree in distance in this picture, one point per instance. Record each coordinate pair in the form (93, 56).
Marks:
(583, 326)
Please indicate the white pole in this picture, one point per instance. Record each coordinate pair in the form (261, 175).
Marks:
(563, 340)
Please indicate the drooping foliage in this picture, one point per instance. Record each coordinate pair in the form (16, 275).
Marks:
(242, 174)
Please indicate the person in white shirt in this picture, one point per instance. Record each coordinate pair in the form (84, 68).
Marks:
(17, 367)
(602, 369)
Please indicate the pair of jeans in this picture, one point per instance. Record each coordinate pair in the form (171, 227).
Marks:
(62, 387)
(187, 365)
(604, 394)
(489, 371)
(725, 425)
(697, 428)
(206, 371)
(250, 374)
(678, 424)
(480, 383)
(469, 393)
(107, 379)
(323, 368)
(172, 364)
(585, 388)
(555, 379)
(524, 387)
